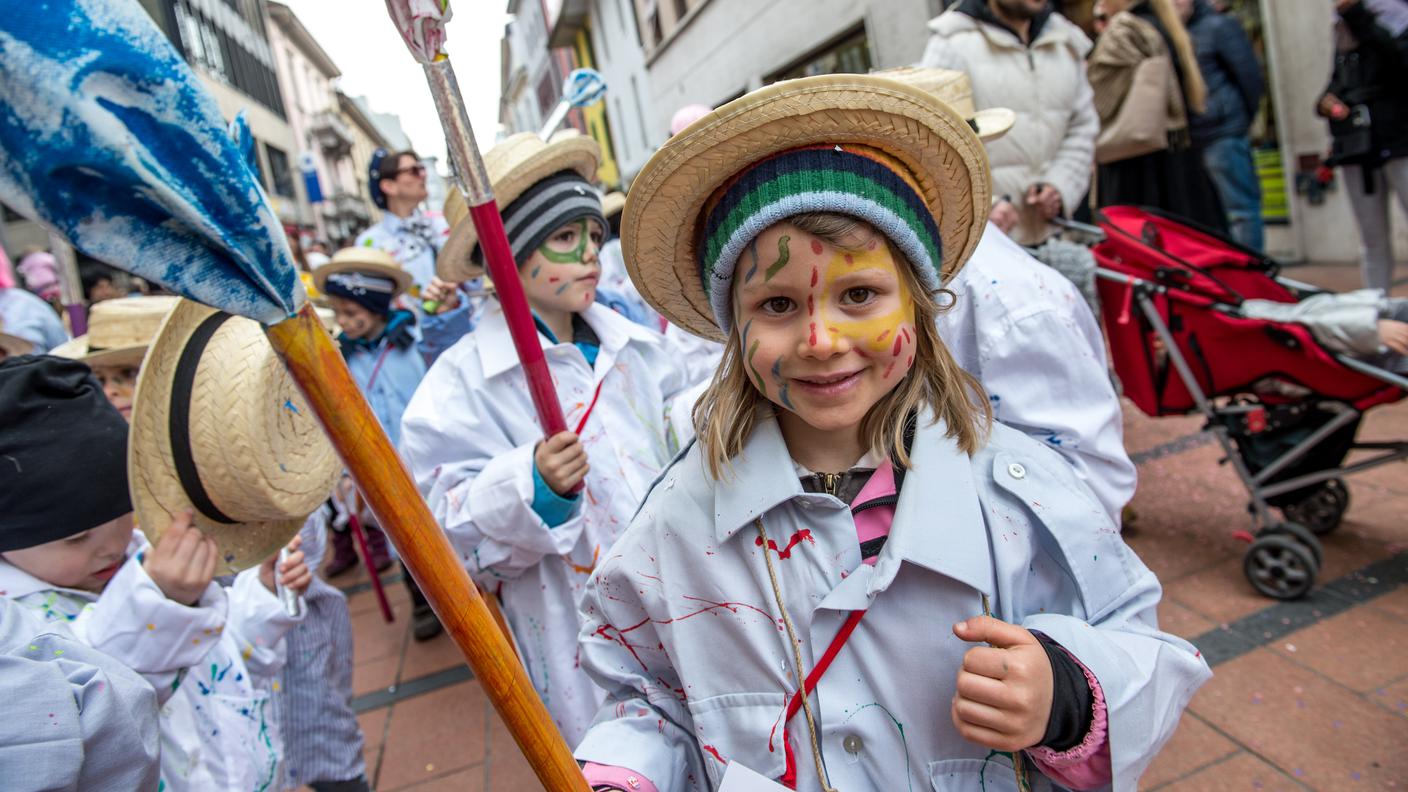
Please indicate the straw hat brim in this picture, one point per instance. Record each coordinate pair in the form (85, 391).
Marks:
(77, 349)
(612, 203)
(401, 277)
(660, 228)
(571, 152)
(157, 493)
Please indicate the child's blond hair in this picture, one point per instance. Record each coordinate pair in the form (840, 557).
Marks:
(730, 408)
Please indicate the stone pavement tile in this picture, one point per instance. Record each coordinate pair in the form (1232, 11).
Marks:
(374, 675)
(469, 779)
(373, 726)
(396, 595)
(1241, 772)
(1392, 697)
(1344, 552)
(1362, 648)
(1194, 746)
(433, 734)
(1395, 602)
(1376, 513)
(427, 657)
(1181, 621)
(1313, 729)
(505, 767)
(1143, 433)
(373, 638)
(1220, 593)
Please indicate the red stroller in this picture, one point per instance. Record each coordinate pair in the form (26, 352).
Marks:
(1284, 409)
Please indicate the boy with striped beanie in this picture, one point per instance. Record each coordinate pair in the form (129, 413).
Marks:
(530, 515)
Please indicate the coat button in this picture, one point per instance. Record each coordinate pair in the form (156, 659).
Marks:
(1016, 471)
(852, 744)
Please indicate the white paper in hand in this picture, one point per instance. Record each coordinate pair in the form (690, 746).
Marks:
(738, 778)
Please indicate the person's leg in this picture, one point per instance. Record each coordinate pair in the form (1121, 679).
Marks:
(1396, 174)
(1229, 163)
(1371, 215)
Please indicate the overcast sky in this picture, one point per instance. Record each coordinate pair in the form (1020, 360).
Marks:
(375, 63)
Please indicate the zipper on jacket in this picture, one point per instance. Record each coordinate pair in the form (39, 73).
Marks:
(829, 482)
(873, 503)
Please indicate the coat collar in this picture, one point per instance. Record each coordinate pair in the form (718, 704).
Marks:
(495, 344)
(938, 521)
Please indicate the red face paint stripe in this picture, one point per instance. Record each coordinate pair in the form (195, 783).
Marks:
(815, 275)
(898, 342)
(816, 247)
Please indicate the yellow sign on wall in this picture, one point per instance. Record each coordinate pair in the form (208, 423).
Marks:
(595, 117)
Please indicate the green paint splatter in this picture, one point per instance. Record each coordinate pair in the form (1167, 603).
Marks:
(753, 350)
(784, 254)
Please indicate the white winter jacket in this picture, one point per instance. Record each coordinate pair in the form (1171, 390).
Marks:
(468, 437)
(1053, 140)
(683, 629)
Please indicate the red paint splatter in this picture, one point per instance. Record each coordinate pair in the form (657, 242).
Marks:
(815, 274)
(888, 369)
(816, 247)
(871, 245)
(909, 363)
(833, 329)
(605, 631)
(882, 336)
(906, 334)
(812, 340)
(898, 342)
(714, 752)
(786, 552)
(849, 260)
(554, 280)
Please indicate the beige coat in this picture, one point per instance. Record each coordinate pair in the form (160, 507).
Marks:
(1053, 140)
(1128, 41)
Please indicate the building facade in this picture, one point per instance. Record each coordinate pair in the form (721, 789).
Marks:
(227, 44)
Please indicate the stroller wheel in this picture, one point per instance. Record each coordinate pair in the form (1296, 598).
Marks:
(1280, 567)
(1322, 510)
(1303, 535)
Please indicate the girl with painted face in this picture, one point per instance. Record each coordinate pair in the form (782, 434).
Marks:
(507, 496)
(961, 608)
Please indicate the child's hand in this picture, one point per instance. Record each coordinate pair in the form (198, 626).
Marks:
(1394, 335)
(562, 462)
(182, 563)
(294, 575)
(445, 293)
(1004, 690)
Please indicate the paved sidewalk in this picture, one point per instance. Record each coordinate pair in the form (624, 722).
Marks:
(1308, 695)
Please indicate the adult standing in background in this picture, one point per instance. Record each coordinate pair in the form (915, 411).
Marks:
(1367, 106)
(1221, 133)
(1172, 179)
(412, 237)
(1022, 55)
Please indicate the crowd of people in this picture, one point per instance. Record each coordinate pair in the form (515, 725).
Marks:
(829, 376)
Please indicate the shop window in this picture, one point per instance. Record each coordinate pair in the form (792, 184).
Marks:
(848, 53)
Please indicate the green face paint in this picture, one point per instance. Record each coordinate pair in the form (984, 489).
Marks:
(784, 254)
(573, 256)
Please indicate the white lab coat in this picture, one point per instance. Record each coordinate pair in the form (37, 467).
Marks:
(682, 628)
(1023, 330)
(212, 665)
(468, 436)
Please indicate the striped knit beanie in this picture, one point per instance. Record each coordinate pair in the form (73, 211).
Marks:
(853, 180)
(545, 207)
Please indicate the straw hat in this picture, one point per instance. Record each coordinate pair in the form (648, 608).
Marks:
(253, 461)
(955, 90)
(119, 331)
(661, 228)
(363, 259)
(612, 203)
(514, 165)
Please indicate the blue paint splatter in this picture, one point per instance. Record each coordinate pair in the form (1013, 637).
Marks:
(535, 271)
(782, 393)
(752, 251)
(563, 287)
(291, 407)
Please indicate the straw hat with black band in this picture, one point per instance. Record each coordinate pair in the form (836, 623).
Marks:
(351, 261)
(118, 331)
(538, 187)
(219, 427)
(874, 147)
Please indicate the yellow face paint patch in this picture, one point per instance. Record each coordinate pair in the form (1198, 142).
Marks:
(886, 335)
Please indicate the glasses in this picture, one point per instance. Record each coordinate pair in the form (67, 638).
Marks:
(417, 170)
